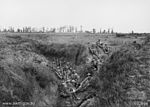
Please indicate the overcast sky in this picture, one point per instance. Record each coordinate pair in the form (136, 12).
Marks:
(121, 15)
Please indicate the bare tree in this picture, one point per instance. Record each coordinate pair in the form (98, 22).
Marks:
(108, 30)
(100, 31)
(76, 30)
(94, 31)
(104, 31)
(43, 29)
(81, 28)
(112, 31)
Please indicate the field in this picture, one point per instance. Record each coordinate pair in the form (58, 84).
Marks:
(33, 67)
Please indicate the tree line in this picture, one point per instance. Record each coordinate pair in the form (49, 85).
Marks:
(62, 29)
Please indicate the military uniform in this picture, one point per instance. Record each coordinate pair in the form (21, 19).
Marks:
(75, 79)
(98, 42)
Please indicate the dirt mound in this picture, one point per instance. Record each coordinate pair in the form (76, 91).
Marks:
(25, 70)
(24, 74)
(124, 77)
(75, 53)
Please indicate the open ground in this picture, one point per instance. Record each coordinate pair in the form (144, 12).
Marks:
(28, 62)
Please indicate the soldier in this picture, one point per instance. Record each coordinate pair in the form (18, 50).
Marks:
(71, 89)
(70, 68)
(88, 59)
(66, 66)
(101, 45)
(105, 48)
(89, 74)
(59, 74)
(67, 63)
(64, 89)
(95, 63)
(98, 42)
(71, 73)
(74, 79)
(57, 68)
(68, 74)
(85, 82)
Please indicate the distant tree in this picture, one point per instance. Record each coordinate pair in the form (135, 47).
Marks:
(104, 31)
(94, 31)
(108, 30)
(100, 31)
(43, 29)
(112, 31)
(63, 28)
(76, 30)
(23, 29)
(81, 28)
(18, 30)
(10, 29)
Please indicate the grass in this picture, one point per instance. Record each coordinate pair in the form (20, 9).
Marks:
(74, 53)
(26, 70)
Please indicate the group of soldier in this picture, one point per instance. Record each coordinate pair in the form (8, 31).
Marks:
(71, 82)
(67, 74)
(103, 46)
(99, 52)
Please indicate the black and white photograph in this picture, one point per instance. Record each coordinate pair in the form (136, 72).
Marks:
(74, 53)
